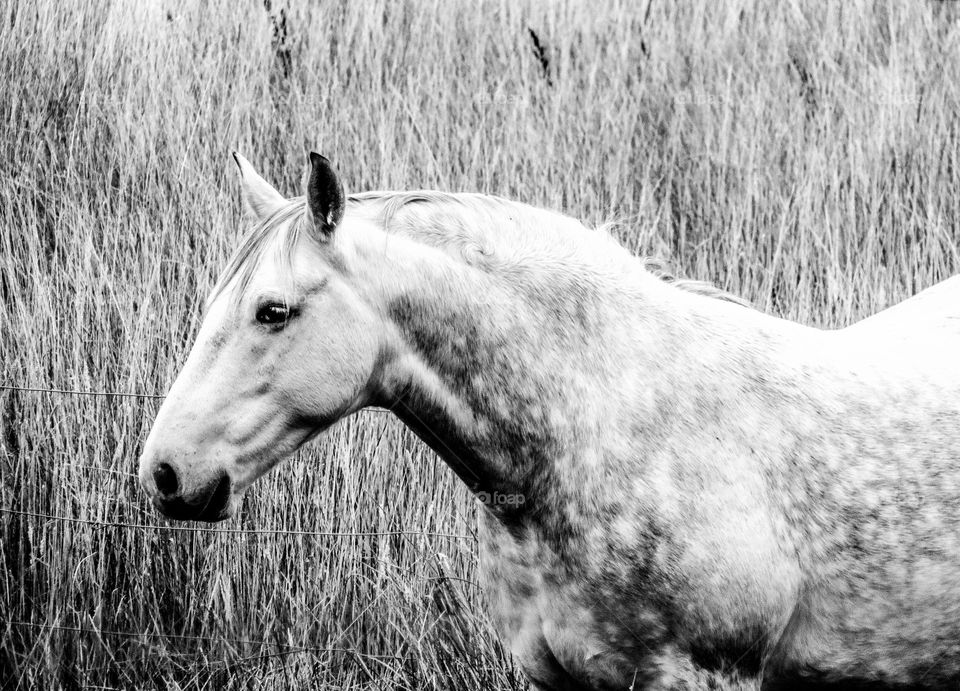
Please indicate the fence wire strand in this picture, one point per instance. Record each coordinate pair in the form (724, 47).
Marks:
(120, 394)
(185, 637)
(70, 392)
(235, 531)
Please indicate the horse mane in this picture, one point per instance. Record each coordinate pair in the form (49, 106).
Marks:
(460, 222)
(660, 269)
(471, 210)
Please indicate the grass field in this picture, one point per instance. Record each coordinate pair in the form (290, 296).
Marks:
(804, 155)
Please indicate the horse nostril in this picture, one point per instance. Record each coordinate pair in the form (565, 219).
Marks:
(166, 478)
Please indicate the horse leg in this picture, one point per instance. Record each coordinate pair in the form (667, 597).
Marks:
(673, 670)
(668, 670)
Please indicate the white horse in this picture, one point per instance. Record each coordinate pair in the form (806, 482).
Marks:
(930, 319)
(680, 492)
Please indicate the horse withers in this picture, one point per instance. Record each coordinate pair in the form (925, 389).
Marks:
(711, 496)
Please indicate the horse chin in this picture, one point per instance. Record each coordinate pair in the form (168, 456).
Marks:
(218, 514)
(179, 510)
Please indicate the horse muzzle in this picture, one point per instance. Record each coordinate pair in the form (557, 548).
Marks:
(211, 502)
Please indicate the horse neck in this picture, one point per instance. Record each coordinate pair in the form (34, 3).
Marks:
(498, 370)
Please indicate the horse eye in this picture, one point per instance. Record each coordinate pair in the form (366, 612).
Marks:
(273, 313)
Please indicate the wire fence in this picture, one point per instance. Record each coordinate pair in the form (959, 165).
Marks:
(69, 392)
(275, 649)
(285, 649)
(121, 394)
(106, 524)
(231, 663)
(235, 531)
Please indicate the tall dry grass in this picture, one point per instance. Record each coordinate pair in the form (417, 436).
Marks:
(804, 155)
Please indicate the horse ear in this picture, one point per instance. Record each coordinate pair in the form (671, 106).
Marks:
(260, 199)
(325, 197)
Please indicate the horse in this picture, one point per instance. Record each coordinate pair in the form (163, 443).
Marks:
(929, 319)
(678, 491)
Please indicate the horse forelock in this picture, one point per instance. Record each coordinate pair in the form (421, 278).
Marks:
(280, 232)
